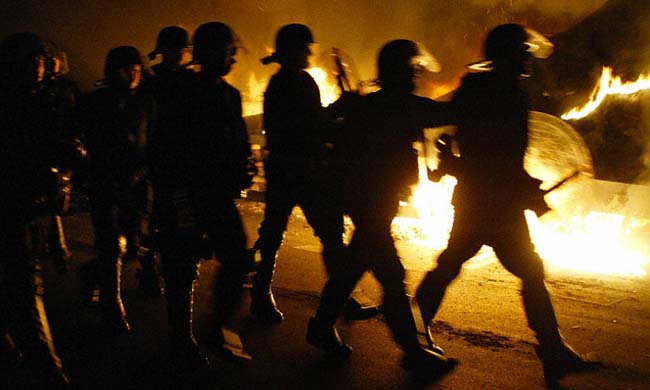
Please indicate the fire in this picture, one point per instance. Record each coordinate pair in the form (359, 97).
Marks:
(608, 85)
(328, 90)
(597, 243)
(253, 104)
(606, 243)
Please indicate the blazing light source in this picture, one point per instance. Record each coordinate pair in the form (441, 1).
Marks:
(328, 90)
(595, 226)
(608, 85)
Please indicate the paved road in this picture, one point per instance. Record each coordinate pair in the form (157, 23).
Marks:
(481, 323)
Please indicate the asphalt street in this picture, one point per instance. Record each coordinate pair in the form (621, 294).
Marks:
(481, 323)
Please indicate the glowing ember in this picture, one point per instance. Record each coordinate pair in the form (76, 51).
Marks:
(608, 85)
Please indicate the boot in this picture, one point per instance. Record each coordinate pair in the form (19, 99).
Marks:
(184, 351)
(110, 298)
(57, 247)
(427, 365)
(263, 307)
(557, 356)
(560, 361)
(325, 337)
(425, 336)
(148, 281)
(33, 330)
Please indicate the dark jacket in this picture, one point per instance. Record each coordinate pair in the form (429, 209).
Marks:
(375, 147)
(294, 119)
(492, 120)
(115, 125)
(31, 124)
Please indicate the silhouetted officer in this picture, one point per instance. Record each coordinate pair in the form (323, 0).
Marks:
(493, 191)
(30, 153)
(200, 163)
(173, 45)
(57, 84)
(377, 164)
(114, 120)
(296, 130)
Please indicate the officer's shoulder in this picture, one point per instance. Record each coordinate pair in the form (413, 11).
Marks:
(231, 89)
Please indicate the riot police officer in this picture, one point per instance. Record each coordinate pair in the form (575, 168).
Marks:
(376, 163)
(296, 128)
(58, 84)
(173, 46)
(493, 190)
(30, 156)
(201, 162)
(114, 120)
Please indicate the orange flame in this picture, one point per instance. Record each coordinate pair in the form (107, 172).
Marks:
(608, 85)
(328, 90)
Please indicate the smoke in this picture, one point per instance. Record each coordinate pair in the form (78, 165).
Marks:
(452, 31)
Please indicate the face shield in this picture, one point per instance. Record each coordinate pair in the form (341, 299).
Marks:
(538, 45)
(425, 62)
(535, 45)
(426, 67)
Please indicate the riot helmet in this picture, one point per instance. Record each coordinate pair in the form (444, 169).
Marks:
(397, 65)
(123, 67)
(22, 59)
(171, 40)
(511, 46)
(292, 46)
(56, 61)
(215, 45)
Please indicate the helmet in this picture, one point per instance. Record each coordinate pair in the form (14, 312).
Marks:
(170, 38)
(289, 38)
(210, 38)
(292, 37)
(395, 61)
(506, 40)
(20, 47)
(120, 57)
(18, 59)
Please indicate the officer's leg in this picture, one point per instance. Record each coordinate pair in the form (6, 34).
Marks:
(279, 204)
(326, 218)
(343, 277)
(109, 263)
(57, 247)
(463, 244)
(180, 270)
(375, 236)
(27, 312)
(227, 237)
(517, 253)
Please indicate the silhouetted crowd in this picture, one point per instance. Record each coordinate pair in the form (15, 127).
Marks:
(163, 152)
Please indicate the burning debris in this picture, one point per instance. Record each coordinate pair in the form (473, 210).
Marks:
(608, 85)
